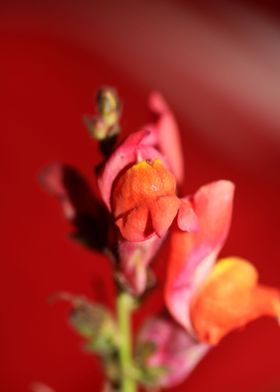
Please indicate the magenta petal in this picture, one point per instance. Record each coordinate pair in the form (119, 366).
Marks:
(134, 260)
(165, 135)
(191, 255)
(132, 150)
(175, 350)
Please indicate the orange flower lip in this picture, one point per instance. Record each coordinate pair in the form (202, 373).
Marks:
(230, 298)
(144, 200)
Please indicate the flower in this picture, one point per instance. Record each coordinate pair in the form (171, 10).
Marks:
(138, 185)
(210, 300)
(169, 353)
(138, 181)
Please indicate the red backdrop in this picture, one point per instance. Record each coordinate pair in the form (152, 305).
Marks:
(47, 83)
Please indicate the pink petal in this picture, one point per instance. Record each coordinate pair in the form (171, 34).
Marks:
(165, 134)
(176, 350)
(134, 260)
(191, 255)
(187, 219)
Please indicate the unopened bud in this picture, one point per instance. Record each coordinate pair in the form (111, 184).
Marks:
(104, 126)
(97, 128)
(108, 104)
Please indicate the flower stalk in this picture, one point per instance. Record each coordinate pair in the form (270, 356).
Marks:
(124, 310)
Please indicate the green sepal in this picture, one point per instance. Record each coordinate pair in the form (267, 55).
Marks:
(148, 375)
(96, 324)
(93, 322)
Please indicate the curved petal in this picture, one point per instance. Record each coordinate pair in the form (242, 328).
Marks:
(133, 226)
(230, 298)
(165, 134)
(132, 150)
(163, 212)
(175, 351)
(135, 258)
(191, 255)
(187, 219)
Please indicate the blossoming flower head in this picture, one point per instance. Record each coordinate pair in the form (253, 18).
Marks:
(138, 184)
(170, 354)
(140, 190)
(212, 300)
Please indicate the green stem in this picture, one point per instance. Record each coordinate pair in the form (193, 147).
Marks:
(124, 309)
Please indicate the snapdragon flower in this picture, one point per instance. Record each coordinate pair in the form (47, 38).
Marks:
(140, 190)
(210, 300)
(141, 209)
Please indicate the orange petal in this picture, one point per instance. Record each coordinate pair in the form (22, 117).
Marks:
(136, 200)
(230, 298)
(163, 212)
(135, 258)
(135, 224)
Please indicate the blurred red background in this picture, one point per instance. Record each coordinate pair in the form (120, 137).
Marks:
(218, 66)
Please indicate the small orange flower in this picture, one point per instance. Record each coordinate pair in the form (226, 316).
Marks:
(144, 200)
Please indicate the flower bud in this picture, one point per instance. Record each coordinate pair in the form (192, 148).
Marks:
(166, 353)
(105, 125)
(108, 105)
(144, 200)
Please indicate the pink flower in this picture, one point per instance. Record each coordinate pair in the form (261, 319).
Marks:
(138, 185)
(174, 352)
(139, 188)
(211, 300)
